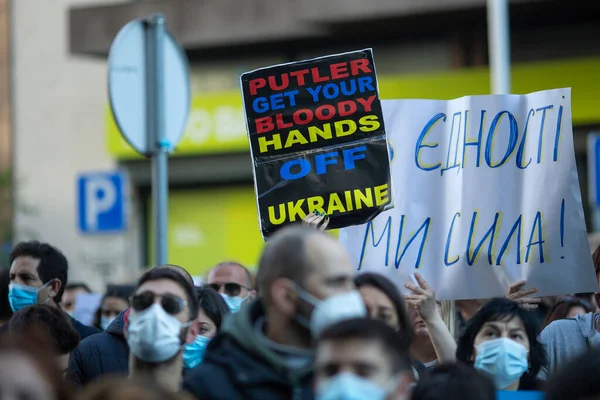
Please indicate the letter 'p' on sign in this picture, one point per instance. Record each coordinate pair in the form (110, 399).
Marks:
(102, 202)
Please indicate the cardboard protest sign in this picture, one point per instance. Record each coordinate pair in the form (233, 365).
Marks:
(318, 141)
(490, 196)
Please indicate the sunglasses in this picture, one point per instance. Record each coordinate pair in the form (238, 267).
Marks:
(170, 303)
(231, 289)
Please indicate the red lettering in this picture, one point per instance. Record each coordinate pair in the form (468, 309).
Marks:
(299, 75)
(361, 65)
(281, 124)
(285, 82)
(339, 70)
(316, 77)
(330, 112)
(256, 84)
(346, 108)
(264, 124)
(367, 103)
(308, 116)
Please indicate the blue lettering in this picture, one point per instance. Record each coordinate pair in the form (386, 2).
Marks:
(432, 122)
(516, 228)
(365, 83)
(557, 135)
(512, 141)
(369, 228)
(425, 228)
(260, 105)
(522, 145)
(331, 91)
(448, 167)
(540, 140)
(286, 169)
(314, 92)
(476, 143)
(491, 233)
(323, 160)
(448, 239)
(537, 226)
(350, 156)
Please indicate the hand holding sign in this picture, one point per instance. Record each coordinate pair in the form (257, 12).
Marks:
(422, 299)
(517, 294)
(316, 220)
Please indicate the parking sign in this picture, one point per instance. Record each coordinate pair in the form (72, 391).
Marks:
(102, 202)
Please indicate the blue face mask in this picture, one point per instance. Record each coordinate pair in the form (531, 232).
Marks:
(21, 296)
(503, 359)
(347, 386)
(105, 322)
(193, 353)
(234, 303)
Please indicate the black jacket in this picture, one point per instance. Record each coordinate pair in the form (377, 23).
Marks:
(239, 366)
(104, 353)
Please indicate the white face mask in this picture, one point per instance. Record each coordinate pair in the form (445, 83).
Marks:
(105, 322)
(153, 335)
(503, 359)
(331, 310)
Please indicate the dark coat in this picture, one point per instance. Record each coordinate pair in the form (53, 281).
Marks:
(103, 353)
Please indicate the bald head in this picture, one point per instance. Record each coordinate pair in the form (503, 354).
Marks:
(234, 271)
(295, 253)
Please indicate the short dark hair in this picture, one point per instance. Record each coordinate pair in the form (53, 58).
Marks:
(53, 263)
(249, 278)
(78, 285)
(454, 381)
(212, 304)
(158, 273)
(120, 291)
(180, 270)
(499, 310)
(397, 352)
(5, 311)
(47, 319)
(285, 256)
(391, 291)
(577, 379)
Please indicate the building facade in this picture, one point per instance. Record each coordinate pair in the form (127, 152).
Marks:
(422, 50)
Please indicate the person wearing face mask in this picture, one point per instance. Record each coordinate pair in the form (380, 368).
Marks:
(212, 311)
(69, 297)
(361, 359)
(501, 340)
(305, 279)
(114, 302)
(108, 351)
(162, 319)
(38, 275)
(234, 282)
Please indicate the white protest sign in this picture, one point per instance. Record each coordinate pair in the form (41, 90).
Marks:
(487, 194)
(86, 305)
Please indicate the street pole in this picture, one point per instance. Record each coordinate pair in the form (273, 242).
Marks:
(156, 127)
(499, 45)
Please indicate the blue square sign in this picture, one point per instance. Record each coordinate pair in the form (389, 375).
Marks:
(102, 202)
(594, 168)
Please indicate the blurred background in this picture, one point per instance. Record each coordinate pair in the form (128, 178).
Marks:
(55, 121)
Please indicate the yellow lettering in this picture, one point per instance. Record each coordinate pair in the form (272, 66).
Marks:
(348, 196)
(295, 210)
(340, 125)
(315, 203)
(295, 137)
(381, 194)
(314, 131)
(365, 198)
(274, 220)
(335, 204)
(369, 123)
(264, 144)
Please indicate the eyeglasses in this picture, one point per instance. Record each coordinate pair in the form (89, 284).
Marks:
(231, 288)
(170, 303)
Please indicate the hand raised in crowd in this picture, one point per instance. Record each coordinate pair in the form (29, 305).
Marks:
(422, 299)
(316, 220)
(518, 294)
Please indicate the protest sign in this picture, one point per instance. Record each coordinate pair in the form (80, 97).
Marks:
(488, 195)
(86, 305)
(318, 141)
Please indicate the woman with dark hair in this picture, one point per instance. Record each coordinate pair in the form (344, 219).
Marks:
(115, 300)
(567, 307)
(211, 314)
(501, 339)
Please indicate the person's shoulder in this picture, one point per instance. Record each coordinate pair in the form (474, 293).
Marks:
(208, 381)
(560, 326)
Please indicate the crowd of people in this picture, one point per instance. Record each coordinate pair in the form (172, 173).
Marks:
(306, 326)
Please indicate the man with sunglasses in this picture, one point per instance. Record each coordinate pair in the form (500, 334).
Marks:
(162, 320)
(305, 281)
(233, 282)
(108, 352)
(38, 275)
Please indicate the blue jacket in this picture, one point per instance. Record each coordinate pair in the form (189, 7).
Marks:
(103, 353)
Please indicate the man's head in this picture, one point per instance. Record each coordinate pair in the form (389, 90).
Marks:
(455, 381)
(70, 295)
(162, 317)
(365, 355)
(233, 281)
(298, 269)
(52, 324)
(38, 274)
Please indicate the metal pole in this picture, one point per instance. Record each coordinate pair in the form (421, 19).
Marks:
(499, 45)
(156, 127)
